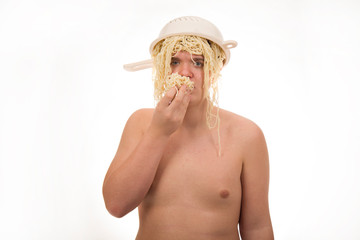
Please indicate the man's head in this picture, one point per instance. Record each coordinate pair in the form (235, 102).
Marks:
(213, 59)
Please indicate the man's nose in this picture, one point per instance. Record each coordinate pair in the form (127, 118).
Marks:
(185, 70)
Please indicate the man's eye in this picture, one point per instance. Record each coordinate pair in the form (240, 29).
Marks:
(199, 64)
(174, 63)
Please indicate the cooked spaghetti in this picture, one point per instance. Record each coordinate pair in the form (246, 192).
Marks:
(176, 80)
(214, 58)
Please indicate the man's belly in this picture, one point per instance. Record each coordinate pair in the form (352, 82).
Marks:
(186, 222)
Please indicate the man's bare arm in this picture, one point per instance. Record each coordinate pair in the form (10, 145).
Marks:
(255, 222)
(134, 166)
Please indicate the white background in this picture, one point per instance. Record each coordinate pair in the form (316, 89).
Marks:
(64, 100)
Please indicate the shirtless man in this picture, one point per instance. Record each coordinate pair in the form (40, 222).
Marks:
(170, 165)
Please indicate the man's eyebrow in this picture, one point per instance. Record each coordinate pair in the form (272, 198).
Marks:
(201, 58)
(196, 58)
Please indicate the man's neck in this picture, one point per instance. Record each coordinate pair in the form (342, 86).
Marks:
(195, 117)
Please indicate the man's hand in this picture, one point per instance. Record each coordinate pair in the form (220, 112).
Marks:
(170, 111)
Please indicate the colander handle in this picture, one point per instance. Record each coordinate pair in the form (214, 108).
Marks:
(230, 44)
(132, 67)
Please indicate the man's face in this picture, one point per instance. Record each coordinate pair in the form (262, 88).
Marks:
(191, 66)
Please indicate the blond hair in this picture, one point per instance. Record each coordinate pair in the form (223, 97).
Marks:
(213, 62)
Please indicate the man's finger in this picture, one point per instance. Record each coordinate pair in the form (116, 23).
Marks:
(168, 97)
(179, 99)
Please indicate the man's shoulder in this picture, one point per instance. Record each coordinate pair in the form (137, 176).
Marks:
(236, 120)
(142, 113)
(140, 118)
(239, 125)
(247, 135)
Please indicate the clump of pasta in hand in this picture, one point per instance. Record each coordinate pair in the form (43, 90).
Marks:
(176, 80)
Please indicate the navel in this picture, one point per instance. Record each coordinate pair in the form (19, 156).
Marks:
(224, 193)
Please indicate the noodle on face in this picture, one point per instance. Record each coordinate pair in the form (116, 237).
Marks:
(176, 80)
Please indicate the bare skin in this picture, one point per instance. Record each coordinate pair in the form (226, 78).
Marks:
(167, 165)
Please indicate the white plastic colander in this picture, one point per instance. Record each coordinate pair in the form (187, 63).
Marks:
(189, 25)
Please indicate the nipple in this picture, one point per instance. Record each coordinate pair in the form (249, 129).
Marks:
(224, 193)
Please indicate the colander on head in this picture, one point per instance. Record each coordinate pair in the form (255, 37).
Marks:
(189, 25)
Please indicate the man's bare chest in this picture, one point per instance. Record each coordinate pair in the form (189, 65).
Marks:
(191, 173)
